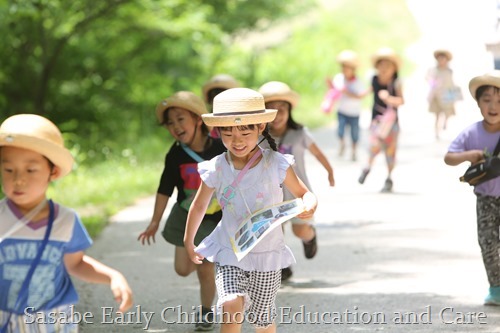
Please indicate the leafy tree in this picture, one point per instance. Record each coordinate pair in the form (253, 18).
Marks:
(98, 68)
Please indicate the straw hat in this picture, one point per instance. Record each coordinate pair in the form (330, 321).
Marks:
(181, 99)
(386, 53)
(444, 52)
(278, 91)
(33, 132)
(221, 81)
(349, 58)
(239, 106)
(489, 79)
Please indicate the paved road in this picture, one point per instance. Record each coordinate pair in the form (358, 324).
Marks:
(406, 261)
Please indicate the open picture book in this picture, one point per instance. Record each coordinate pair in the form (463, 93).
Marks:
(256, 226)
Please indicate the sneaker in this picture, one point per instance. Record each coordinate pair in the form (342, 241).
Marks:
(387, 186)
(362, 178)
(493, 297)
(311, 247)
(286, 273)
(206, 323)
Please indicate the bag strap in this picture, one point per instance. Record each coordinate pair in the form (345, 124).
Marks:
(192, 153)
(229, 191)
(497, 148)
(25, 286)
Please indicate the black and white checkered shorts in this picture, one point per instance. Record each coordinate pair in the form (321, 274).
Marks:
(259, 290)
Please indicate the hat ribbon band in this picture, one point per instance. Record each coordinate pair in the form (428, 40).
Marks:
(239, 113)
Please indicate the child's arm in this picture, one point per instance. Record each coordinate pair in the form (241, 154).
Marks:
(314, 149)
(161, 202)
(195, 216)
(90, 270)
(394, 101)
(472, 156)
(299, 190)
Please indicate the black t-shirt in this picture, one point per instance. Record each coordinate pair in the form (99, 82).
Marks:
(181, 172)
(378, 105)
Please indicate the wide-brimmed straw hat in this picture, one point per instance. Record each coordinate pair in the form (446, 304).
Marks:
(239, 106)
(444, 52)
(181, 99)
(386, 53)
(348, 58)
(220, 81)
(489, 79)
(279, 91)
(36, 133)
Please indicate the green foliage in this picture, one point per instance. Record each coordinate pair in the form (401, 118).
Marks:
(98, 70)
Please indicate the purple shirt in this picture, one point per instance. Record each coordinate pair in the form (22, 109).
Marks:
(476, 137)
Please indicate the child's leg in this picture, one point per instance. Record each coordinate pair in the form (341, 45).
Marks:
(342, 120)
(488, 223)
(232, 316)
(182, 264)
(390, 150)
(354, 135)
(206, 277)
(262, 290)
(306, 232)
(231, 285)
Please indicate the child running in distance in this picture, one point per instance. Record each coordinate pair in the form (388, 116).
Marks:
(443, 90)
(181, 114)
(349, 104)
(42, 242)
(293, 138)
(387, 97)
(471, 145)
(245, 179)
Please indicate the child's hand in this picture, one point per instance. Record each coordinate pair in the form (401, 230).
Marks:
(310, 204)
(149, 233)
(383, 94)
(476, 156)
(195, 257)
(331, 180)
(121, 291)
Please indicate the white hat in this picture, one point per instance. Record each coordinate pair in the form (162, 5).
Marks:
(239, 106)
(279, 91)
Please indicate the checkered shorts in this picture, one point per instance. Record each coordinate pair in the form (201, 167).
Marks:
(259, 290)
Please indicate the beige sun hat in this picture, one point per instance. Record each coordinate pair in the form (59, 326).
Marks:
(221, 81)
(444, 52)
(181, 99)
(279, 91)
(386, 53)
(349, 58)
(239, 106)
(489, 79)
(36, 133)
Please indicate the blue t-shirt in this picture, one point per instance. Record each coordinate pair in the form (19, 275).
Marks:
(50, 285)
(476, 137)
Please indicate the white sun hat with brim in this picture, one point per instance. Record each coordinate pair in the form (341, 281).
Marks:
(36, 133)
(184, 100)
(219, 81)
(489, 79)
(348, 58)
(239, 106)
(443, 52)
(279, 91)
(386, 53)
